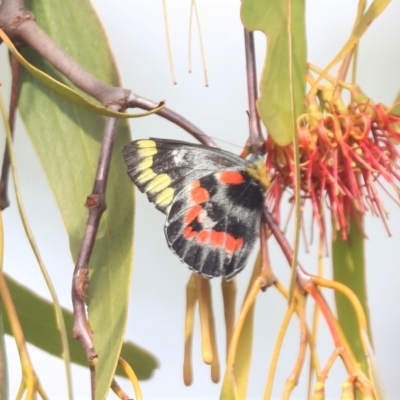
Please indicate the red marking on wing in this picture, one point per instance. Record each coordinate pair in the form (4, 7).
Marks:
(232, 244)
(203, 236)
(188, 233)
(192, 213)
(239, 244)
(194, 185)
(230, 177)
(215, 239)
(199, 195)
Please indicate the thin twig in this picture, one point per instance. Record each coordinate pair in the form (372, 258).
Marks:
(33, 36)
(190, 35)
(15, 70)
(172, 116)
(256, 137)
(119, 391)
(265, 262)
(20, 26)
(293, 378)
(169, 45)
(202, 50)
(302, 276)
(96, 203)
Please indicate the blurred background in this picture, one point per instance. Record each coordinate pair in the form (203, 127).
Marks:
(137, 36)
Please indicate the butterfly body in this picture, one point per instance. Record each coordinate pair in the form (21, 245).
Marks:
(213, 200)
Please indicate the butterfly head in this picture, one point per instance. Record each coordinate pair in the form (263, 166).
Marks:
(258, 171)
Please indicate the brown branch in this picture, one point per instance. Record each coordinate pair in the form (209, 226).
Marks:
(293, 378)
(265, 262)
(20, 26)
(303, 277)
(33, 36)
(23, 30)
(96, 203)
(255, 138)
(172, 116)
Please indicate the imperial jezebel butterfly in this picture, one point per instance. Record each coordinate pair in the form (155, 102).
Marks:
(213, 200)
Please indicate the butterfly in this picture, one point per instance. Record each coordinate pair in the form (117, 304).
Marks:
(213, 200)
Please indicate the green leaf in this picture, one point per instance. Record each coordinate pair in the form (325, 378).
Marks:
(38, 322)
(348, 261)
(67, 140)
(282, 85)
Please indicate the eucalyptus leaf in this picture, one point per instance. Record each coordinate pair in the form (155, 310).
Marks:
(67, 140)
(282, 83)
(38, 322)
(348, 260)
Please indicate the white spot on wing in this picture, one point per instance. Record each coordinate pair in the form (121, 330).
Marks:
(178, 155)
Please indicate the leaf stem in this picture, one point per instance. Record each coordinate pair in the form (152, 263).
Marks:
(130, 373)
(229, 290)
(15, 68)
(209, 346)
(277, 348)
(292, 380)
(35, 249)
(191, 301)
(169, 46)
(29, 376)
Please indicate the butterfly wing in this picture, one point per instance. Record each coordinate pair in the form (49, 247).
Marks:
(162, 168)
(214, 222)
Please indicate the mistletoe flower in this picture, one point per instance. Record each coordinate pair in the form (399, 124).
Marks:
(346, 153)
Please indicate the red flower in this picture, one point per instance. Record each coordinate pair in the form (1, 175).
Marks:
(345, 155)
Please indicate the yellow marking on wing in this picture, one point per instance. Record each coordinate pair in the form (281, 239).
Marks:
(145, 164)
(145, 176)
(147, 152)
(165, 197)
(159, 183)
(146, 143)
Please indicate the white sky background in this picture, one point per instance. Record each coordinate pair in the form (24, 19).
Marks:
(137, 35)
